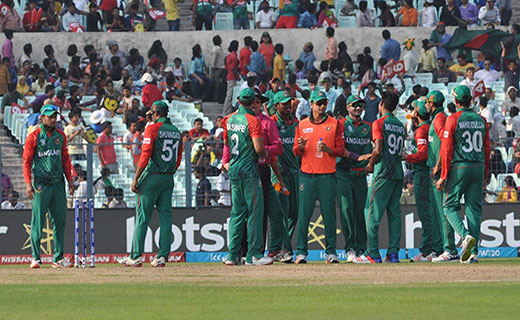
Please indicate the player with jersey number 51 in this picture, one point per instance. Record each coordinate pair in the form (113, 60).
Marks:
(153, 184)
(464, 167)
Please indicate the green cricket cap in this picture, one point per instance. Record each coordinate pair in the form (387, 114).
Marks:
(353, 100)
(436, 96)
(281, 97)
(462, 93)
(49, 110)
(318, 95)
(159, 106)
(247, 95)
(421, 108)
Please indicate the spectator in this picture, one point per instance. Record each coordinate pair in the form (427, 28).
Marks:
(275, 87)
(240, 15)
(308, 19)
(218, 69)
(136, 142)
(132, 19)
(5, 78)
(304, 107)
(203, 194)
(23, 87)
(113, 48)
(267, 49)
(279, 63)
(50, 21)
(508, 193)
(12, 202)
(245, 56)
(75, 133)
(409, 14)
(408, 196)
(513, 125)
(387, 18)
(129, 134)
(416, 95)
(94, 21)
(410, 58)
(107, 9)
(203, 14)
(289, 15)
(198, 131)
(371, 103)
(331, 51)
(365, 17)
(38, 86)
(498, 130)
(28, 23)
(450, 14)
(82, 192)
(7, 186)
(468, 13)
(487, 74)
(428, 14)
(150, 91)
(492, 104)
(109, 194)
(202, 83)
(469, 80)
(427, 58)
(510, 100)
(116, 71)
(391, 49)
(489, 14)
(71, 20)
(349, 8)
(308, 58)
(331, 94)
(514, 164)
(340, 106)
(157, 51)
(103, 182)
(172, 91)
(37, 103)
(115, 22)
(119, 200)
(506, 11)
(74, 74)
(224, 188)
(462, 65)
(217, 129)
(7, 46)
(172, 14)
(10, 19)
(443, 74)
(112, 93)
(105, 148)
(231, 77)
(257, 62)
(485, 112)
(512, 71)
(12, 96)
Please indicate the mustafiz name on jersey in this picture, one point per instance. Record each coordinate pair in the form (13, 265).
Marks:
(236, 127)
(394, 128)
(169, 135)
(471, 125)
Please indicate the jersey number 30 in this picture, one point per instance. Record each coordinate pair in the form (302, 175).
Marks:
(473, 142)
(169, 150)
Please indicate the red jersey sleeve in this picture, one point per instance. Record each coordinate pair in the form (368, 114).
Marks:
(377, 130)
(28, 154)
(296, 148)
(149, 136)
(438, 124)
(421, 139)
(339, 141)
(65, 158)
(254, 126)
(447, 144)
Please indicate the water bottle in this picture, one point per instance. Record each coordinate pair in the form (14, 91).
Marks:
(319, 154)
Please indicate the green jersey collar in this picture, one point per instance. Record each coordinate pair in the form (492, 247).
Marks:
(388, 114)
(350, 120)
(44, 129)
(436, 112)
(242, 109)
(424, 123)
(163, 119)
(291, 119)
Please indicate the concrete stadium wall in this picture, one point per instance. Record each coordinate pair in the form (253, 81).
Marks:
(180, 43)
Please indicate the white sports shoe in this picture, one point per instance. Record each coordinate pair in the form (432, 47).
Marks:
(300, 259)
(231, 262)
(422, 258)
(137, 263)
(35, 264)
(283, 257)
(158, 262)
(331, 258)
(123, 260)
(446, 257)
(472, 259)
(264, 261)
(63, 263)
(351, 255)
(466, 246)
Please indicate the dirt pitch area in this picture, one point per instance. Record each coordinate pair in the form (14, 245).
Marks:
(310, 274)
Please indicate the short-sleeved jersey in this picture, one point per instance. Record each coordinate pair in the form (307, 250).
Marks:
(287, 161)
(434, 137)
(420, 147)
(162, 148)
(465, 139)
(391, 131)
(239, 130)
(358, 139)
(46, 157)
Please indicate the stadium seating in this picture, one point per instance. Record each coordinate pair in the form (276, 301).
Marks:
(224, 21)
(346, 21)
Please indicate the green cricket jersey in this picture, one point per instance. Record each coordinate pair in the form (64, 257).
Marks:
(358, 139)
(288, 161)
(162, 148)
(391, 131)
(434, 134)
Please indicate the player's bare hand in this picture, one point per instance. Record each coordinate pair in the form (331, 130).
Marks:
(365, 157)
(71, 188)
(440, 184)
(134, 187)
(369, 168)
(435, 170)
(404, 156)
(321, 146)
(302, 142)
(29, 191)
(226, 166)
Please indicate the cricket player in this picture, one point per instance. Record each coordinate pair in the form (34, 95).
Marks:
(464, 166)
(430, 243)
(289, 166)
(318, 140)
(153, 184)
(351, 178)
(243, 135)
(434, 105)
(387, 183)
(46, 159)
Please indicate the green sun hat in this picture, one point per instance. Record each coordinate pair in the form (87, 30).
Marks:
(281, 97)
(49, 110)
(318, 95)
(354, 100)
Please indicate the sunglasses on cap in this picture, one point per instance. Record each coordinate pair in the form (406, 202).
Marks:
(321, 103)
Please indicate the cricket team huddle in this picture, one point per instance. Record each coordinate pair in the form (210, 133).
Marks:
(278, 167)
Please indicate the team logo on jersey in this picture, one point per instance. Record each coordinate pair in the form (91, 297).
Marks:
(364, 130)
(42, 142)
(328, 128)
(446, 134)
(38, 189)
(350, 129)
(301, 187)
(57, 141)
(282, 129)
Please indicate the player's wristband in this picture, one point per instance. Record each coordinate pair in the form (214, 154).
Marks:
(353, 156)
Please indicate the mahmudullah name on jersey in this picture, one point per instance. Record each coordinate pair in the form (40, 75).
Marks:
(236, 127)
(49, 153)
(471, 125)
(394, 128)
(359, 141)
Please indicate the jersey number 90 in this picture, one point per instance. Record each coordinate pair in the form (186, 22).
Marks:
(395, 144)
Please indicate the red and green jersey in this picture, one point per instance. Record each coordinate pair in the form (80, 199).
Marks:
(391, 131)
(358, 139)
(434, 137)
(465, 139)
(290, 8)
(420, 144)
(162, 148)
(287, 160)
(239, 130)
(46, 157)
